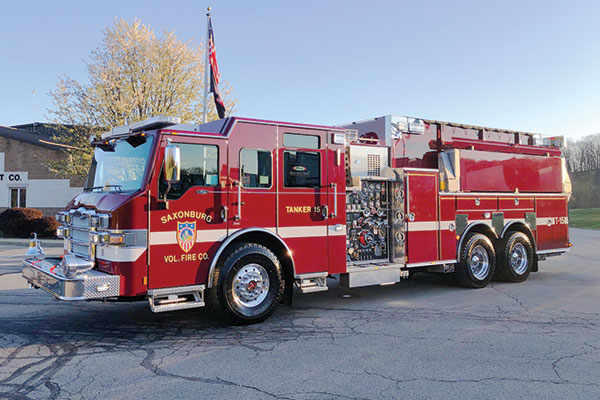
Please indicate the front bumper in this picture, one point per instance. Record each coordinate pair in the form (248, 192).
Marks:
(90, 285)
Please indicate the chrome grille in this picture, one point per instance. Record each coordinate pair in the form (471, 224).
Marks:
(80, 249)
(80, 235)
(81, 220)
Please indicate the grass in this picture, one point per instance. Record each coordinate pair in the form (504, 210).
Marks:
(588, 218)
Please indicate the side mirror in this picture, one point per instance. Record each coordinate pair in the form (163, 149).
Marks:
(172, 163)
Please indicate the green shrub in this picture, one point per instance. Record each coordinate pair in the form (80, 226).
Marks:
(22, 222)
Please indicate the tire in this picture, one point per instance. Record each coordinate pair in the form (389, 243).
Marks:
(515, 258)
(236, 297)
(477, 261)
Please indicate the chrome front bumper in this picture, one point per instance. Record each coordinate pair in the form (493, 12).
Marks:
(86, 286)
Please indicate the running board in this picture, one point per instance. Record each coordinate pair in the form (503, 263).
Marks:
(176, 298)
(310, 283)
(372, 274)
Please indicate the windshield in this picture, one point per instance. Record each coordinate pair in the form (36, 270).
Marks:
(120, 168)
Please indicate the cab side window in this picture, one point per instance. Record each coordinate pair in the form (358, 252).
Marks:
(255, 168)
(199, 167)
(301, 169)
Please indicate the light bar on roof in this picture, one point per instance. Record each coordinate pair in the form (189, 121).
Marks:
(160, 121)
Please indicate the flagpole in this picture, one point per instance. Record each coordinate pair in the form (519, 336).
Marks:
(206, 69)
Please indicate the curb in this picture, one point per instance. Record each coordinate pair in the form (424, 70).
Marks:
(25, 242)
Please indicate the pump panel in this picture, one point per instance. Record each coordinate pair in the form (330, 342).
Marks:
(367, 222)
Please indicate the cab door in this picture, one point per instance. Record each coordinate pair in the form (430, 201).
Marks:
(303, 206)
(252, 177)
(186, 229)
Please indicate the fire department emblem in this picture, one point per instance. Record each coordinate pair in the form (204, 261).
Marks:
(186, 235)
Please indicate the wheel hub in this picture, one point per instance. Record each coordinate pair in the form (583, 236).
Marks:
(518, 259)
(250, 285)
(479, 263)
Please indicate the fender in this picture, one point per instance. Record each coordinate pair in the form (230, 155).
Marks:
(231, 238)
(467, 230)
(520, 224)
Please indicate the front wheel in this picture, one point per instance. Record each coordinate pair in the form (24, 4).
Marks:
(515, 258)
(247, 285)
(477, 261)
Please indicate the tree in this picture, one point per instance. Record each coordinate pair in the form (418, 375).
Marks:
(133, 75)
(583, 163)
(583, 154)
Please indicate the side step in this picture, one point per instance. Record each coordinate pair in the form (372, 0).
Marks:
(310, 283)
(176, 298)
(372, 274)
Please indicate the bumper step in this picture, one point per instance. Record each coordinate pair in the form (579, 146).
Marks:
(312, 283)
(176, 298)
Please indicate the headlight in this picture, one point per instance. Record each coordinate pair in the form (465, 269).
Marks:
(103, 220)
(63, 217)
(99, 221)
(94, 237)
(62, 232)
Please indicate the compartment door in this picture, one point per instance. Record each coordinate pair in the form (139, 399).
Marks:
(422, 217)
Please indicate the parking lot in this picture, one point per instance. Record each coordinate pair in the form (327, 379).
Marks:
(422, 338)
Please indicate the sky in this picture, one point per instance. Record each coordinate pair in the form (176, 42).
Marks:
(524, 65)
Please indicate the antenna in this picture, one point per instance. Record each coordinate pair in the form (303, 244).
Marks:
(33, 98)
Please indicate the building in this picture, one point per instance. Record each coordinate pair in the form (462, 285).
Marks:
(24, 179)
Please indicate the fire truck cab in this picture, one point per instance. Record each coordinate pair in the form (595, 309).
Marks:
(233, 213)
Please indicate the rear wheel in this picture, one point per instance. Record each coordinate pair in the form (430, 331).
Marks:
(477, 261)
(247, 285)
(515, 258)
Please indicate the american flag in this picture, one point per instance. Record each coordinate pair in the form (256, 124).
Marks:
(215, 77)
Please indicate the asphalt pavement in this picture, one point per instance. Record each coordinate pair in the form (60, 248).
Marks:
(12, 252)
(419, 339)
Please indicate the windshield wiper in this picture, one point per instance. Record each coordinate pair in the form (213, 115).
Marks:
(92, 188)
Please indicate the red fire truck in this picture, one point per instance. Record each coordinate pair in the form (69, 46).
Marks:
(234, 213)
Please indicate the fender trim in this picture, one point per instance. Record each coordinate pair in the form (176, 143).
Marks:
(467, 230)
(231, 238)
(520, 223)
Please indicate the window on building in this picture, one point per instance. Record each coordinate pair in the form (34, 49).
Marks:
(301, 141)
(255, 168)
(18, 197)
(199, 167)
(301, 169)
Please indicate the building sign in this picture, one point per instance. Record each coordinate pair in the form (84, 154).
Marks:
(17, 190)
(14, 177)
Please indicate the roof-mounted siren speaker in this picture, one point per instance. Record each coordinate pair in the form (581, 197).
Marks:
(416, 126)
(351, 136)
(400, 125)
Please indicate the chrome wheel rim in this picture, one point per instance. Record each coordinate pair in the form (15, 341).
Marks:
(479, 263)
(518, 259)
(250, 285)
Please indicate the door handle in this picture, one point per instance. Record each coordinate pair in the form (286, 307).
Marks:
(324, 212)
(334, 213)
(203, 191)
(238, 217)
(224, 213)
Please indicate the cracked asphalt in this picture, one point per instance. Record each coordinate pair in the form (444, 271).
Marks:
(423, 338)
